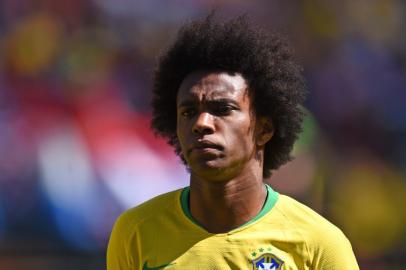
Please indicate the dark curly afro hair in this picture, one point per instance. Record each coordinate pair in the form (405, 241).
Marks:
(275, 80)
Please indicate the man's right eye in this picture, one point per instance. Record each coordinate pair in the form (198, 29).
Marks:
(188, 112)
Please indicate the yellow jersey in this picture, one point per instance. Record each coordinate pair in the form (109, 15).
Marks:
(162, 234)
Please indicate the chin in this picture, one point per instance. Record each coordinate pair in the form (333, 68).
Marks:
(213, 170)
(207, 168)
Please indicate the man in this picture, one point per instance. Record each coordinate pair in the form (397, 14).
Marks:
(228, 98)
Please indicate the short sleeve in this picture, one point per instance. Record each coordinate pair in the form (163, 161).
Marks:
(333, 251)
(118, 255)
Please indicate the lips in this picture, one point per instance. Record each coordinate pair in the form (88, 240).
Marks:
(205, 146)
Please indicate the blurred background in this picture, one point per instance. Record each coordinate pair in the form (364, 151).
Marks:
(76, 149)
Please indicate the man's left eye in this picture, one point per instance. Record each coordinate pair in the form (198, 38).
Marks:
(223, 110)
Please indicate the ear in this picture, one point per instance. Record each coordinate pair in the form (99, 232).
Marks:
(265, 131)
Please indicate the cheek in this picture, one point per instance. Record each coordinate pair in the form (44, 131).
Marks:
(242, 135)
(182, 134)
(179, 134)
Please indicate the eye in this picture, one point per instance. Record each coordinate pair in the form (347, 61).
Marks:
(187, 112)
(223, 109)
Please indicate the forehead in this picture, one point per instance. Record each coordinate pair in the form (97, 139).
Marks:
(212, 85)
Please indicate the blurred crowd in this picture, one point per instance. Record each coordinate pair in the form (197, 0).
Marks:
(76, 149)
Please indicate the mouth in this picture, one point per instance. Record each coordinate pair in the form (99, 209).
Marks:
(206, 146)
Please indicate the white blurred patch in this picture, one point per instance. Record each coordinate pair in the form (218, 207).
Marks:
(65, 168)
(135, 173)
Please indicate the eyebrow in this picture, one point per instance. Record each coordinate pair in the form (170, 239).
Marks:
(188, 103)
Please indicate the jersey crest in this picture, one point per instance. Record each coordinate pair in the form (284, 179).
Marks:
(267, 261)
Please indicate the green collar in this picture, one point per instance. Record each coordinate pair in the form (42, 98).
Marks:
(271, 199)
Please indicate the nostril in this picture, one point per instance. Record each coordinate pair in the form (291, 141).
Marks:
(204, 124)
(201, 130)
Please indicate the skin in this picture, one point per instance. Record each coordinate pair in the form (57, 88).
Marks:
(223, 143)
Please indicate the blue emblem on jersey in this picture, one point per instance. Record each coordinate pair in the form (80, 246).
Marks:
(267, 261)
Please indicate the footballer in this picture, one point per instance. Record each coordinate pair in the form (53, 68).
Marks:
(228, 97)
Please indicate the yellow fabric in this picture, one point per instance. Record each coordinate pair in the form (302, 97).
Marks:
(158, 235)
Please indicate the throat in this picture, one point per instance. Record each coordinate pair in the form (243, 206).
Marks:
(222, 210)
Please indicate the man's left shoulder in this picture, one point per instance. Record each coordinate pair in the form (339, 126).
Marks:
(327, 245)
(313, 227)
(303, 216)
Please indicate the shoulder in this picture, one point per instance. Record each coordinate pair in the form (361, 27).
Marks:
(311, 226)
(148, 210)
(124, 236)
(302, 216)
(327, 245)
(130, 221)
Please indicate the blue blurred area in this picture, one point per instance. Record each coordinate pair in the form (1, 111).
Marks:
(75, 144)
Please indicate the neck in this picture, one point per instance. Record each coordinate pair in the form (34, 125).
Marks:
(220, 206)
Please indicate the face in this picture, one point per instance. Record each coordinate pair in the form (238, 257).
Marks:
(216, 127)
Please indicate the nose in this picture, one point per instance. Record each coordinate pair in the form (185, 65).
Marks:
(204, 124)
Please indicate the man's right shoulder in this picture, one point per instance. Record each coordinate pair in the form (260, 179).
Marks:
(149, 209)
